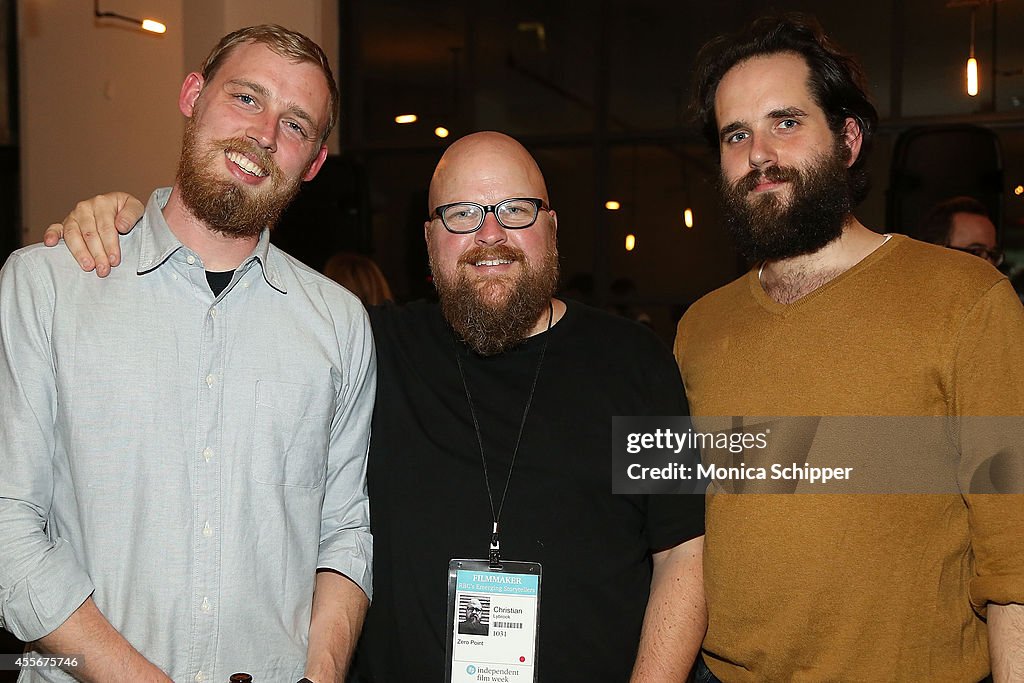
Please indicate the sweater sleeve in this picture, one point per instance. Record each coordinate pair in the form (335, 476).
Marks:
(988, 384)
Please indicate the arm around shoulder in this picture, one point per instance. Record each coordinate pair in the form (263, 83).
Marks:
(91, 230)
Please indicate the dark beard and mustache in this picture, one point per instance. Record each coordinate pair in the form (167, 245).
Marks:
(222, 205)
(494, 315)
(767, 229)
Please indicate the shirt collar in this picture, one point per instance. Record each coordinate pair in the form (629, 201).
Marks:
(158, 243)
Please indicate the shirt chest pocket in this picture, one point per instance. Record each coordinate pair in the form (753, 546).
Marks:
(292, 433)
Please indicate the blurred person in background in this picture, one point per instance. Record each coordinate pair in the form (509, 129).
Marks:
(964, 224)
(359, 275)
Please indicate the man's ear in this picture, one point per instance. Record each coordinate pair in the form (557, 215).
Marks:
(853, 137)
(554, 222)
(315, 164)
(190, 90)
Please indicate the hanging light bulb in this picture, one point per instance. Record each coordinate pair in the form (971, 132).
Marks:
(630, 242)
(688, 218)
(972, 64)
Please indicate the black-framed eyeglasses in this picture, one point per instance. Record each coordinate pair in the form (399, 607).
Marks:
(515, 213)
(993, 256)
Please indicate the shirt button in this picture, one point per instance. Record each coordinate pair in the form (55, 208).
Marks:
(205, 606)
(213, 312)
(209, 381)
(245, 286)
(207, 531)
(207, 453)
(191, 260)
(200, 677)
(174, 276)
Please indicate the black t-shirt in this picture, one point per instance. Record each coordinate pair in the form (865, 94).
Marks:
(428, 501)
(219, 280)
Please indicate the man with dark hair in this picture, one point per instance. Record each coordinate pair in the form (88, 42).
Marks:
(835, 81)
(963, 223)
(183, 496)
(837, 320)
(505, 385)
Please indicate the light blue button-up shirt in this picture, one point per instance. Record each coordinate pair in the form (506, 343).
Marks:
(188, 460)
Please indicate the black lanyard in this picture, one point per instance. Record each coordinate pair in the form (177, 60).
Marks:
(494, 554)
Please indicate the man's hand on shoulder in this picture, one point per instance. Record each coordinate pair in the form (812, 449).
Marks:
(91, 230)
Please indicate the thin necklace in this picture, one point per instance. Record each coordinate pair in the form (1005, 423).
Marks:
(760, 270)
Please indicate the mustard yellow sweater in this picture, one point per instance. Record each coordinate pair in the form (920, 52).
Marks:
(816, 587)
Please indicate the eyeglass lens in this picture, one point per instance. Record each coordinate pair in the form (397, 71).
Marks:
(511, 213)
(993, 256)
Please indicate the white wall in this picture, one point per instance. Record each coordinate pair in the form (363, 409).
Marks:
(98, 100)
(98, 104)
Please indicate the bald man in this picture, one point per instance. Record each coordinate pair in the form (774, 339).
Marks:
(497, 403)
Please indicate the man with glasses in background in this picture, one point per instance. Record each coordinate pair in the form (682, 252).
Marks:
(494, 411)
(963, 223)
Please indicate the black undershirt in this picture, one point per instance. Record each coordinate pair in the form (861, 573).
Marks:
(218, 281)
